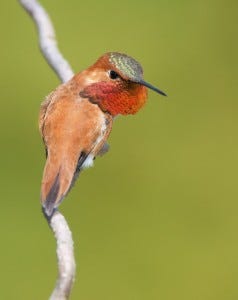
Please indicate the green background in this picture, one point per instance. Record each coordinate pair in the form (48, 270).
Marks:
(156, 218)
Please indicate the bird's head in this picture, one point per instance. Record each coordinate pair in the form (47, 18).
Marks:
(116, 84)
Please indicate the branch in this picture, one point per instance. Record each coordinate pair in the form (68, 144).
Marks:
(65, 254)
(47, 39)
(58, 224)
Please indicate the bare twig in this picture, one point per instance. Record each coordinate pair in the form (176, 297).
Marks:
(58, 224)
(47, 40)
(65, 254)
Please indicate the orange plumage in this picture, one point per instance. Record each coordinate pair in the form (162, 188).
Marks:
(76, 120)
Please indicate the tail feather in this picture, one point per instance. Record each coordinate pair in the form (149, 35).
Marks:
(58, 179)
(49, 203)
(55, 185)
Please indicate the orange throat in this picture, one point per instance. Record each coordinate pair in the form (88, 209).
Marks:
(116, 98)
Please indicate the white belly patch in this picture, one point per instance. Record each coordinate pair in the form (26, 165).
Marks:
(88, 162)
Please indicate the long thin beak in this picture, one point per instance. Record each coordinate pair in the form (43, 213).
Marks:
(150, 86)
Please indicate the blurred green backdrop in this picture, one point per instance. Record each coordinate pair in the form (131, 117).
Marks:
(156, 218)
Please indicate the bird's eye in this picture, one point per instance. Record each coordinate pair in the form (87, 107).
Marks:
(113, 74)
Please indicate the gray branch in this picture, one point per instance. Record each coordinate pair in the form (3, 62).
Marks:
(58, 224)
(47, 40)
(65, 254)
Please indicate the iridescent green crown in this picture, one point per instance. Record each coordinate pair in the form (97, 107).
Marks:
(128, 66)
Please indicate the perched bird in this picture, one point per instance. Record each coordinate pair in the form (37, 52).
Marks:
(76, 119)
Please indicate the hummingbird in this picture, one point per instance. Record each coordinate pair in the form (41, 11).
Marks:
(76, 119)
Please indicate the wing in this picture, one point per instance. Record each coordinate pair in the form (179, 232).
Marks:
(43, 110)
(74, 131)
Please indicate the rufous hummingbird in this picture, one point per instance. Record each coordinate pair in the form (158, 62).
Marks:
(76, 119)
